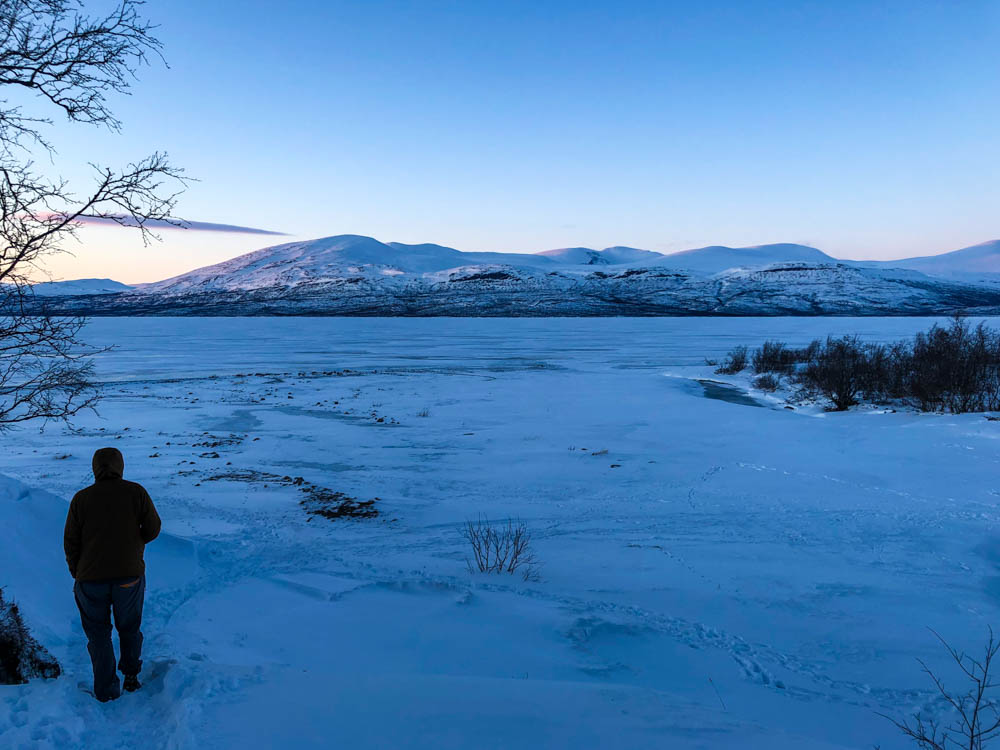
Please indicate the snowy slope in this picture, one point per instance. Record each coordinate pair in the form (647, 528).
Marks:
(718, 258)
(59, 713)
(79, 287)
(585, 256)
(833, 288)
(521, 260)
(504, 290)
(326, 259)
(980, 259)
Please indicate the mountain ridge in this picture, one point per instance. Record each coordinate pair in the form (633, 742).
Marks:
(356, 274)
(982, 258)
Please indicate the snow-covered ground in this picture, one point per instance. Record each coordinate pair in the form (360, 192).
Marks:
(714, 574)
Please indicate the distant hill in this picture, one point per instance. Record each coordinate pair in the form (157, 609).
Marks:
(585, 256)
(718, 258)
(79, 286)
(976, 260)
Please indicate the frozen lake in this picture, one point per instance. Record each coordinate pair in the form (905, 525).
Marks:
(712, 575)
(185, 347)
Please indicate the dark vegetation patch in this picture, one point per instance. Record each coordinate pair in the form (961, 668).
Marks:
(486, 276)
(767, 382)
(318, 500)
(793, 268)
(21, 656)
(953, 368)
(735, 361)
(774, 356)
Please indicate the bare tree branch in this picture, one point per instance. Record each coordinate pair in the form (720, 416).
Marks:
(71, 61)
(976, 713)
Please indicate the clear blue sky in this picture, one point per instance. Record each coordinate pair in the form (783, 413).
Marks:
(868, 129)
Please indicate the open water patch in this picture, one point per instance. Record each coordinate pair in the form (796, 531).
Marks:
(717, 391)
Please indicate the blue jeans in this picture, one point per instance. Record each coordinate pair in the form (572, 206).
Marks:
(96, 600)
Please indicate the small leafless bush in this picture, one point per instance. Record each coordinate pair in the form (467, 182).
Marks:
(735, 361)
(767, 382)
(975, 713)
(503, 547)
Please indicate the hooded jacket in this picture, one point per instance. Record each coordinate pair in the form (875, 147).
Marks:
(109, 523)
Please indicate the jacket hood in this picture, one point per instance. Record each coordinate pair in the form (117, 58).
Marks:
(108, 463)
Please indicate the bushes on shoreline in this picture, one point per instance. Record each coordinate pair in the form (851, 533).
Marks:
(953, 368)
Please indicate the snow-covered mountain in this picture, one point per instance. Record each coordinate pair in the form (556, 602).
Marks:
(364, 258)
(357, 275)
(79, 287)
(718, 258)
(969, 261)
(585, 256)
(331, 259)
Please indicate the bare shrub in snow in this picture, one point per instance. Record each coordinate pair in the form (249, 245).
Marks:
(956, 368)
(503, 547)
(975, 713)
(21, 656)
(767, 382)
(807, 353)
(837, 371)
(953, 368)
(773, 356)
(735, 361)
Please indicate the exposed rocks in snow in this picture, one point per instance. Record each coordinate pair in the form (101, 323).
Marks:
(21, 656)
(319, 501)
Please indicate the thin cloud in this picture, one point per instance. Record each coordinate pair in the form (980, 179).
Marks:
(197, 226)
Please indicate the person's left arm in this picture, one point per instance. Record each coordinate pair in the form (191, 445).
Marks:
(149, 519)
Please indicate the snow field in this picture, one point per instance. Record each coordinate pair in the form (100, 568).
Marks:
(723, 576)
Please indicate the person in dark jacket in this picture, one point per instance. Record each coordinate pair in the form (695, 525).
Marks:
(107, 528)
